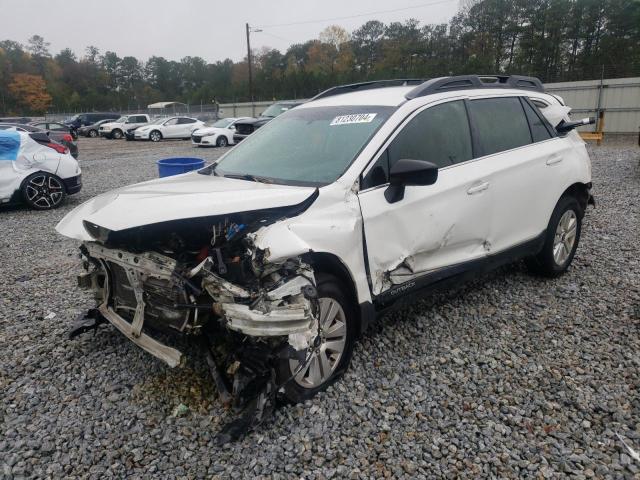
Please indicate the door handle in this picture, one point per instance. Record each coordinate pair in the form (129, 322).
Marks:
(554, 159)
(478, 188)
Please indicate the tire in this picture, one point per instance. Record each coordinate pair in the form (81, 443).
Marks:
(155, 136)
(117, 134)
(92, 133)
(331, 294)
(561, 240)
(43, 191)
(222, 141)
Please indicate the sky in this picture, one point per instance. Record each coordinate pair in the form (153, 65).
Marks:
(213, 30)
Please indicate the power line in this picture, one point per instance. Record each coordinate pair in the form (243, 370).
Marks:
(307, 22)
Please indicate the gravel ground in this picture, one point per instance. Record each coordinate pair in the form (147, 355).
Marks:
(508, 376)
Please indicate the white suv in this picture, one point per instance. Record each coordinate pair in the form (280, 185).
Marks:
(331, 214)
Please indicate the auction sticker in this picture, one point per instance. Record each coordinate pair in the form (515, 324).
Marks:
(354, 118)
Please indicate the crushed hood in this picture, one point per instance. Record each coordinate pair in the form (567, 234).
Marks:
(191, 195)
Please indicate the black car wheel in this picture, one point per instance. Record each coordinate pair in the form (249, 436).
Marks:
(222, 141)
(561, 241)
(117, 134)
(330, 353)
(43, 191)
(92, 133)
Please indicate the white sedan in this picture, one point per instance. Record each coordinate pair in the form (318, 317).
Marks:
(172, 127)
(219, 134)
(36, 170)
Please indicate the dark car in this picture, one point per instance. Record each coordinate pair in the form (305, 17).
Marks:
(130, 134)
(55, 127)
(62, 136)
(86, 119)
(93, 129)
(245, 128)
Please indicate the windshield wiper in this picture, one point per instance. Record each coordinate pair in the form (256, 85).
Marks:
(248, 176)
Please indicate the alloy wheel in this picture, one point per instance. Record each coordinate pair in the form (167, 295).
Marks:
(44, 191)
(565, 237)
(327, 348)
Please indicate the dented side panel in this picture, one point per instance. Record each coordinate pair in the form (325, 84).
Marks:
(432, 227)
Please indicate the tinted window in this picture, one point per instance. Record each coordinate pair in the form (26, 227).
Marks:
(500, 124)
(185, 120)
(57, 127)
(539, 131)
(141, 119)
(438, 134)
(40, 125)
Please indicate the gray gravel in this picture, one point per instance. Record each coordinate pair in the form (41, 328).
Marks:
(508, 376)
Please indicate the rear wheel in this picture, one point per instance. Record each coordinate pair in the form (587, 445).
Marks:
(330, 351)
(43, 191)
(92, 133)
(117, 134)
(155, 136)
(561, 241)
(222, 141)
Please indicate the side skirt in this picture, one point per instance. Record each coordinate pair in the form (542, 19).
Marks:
(408, 292)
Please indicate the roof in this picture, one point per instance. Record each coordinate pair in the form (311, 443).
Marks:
(396, 92)
(165, 104)
(387, 96)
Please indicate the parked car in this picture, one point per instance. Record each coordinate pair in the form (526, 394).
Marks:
(250, 125)
(59, 136)
(36, 170)
(117, 128)
(54, 127)
(86, 119)
(216, 134)
(171, 127)
(93, 129)
(359, 201)
(129, 134)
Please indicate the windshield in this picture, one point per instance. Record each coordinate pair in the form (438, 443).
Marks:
(307, 146)
(276, 109)
(72, 119)
(158, 121)
(222, 123)
(120, 120)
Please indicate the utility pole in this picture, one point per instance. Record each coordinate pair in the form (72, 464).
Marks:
(249, 62)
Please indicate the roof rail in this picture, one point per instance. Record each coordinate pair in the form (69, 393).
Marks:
(398, 82)
(463, 82)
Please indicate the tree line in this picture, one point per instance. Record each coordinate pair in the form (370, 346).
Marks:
(555, 40)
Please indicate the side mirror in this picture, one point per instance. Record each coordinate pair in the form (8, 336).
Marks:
(409, 172)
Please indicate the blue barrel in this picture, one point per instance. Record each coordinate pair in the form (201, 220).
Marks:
(178, 165)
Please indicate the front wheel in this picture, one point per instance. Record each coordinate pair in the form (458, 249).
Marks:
(155, 136)
(43, 191)
(331, 350)
(222, 141)
(117, 134)
(561, 240)
(92, 133)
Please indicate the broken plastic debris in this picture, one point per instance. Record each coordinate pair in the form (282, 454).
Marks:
(50, 315)
(633, 453)
(180, 411)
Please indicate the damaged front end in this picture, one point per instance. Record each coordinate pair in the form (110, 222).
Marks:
(206, 278)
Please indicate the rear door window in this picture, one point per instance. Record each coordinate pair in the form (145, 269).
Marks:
(500, 124)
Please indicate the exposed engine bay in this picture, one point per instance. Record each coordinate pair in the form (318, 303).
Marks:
(207, 279)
